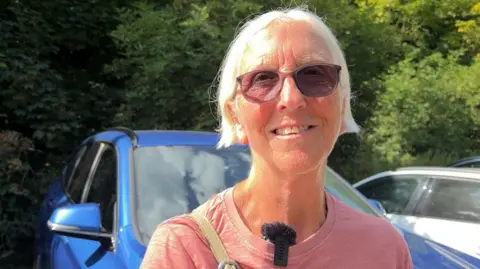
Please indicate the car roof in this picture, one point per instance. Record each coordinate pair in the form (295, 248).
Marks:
(455, 173)
(466, 160)
(175, 137)
(440, 169)
(151, 138)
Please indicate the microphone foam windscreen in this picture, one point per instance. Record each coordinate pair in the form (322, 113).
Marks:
(277, 229)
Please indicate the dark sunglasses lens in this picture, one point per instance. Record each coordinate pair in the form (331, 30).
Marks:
(317, 80)
(260, 86)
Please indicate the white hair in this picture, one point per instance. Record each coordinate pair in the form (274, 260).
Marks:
(230, 67)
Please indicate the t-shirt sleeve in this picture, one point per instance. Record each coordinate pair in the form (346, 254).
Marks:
(405, 259)
(408, 261)
(166, 251)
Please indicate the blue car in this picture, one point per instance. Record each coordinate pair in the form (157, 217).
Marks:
(102, 209)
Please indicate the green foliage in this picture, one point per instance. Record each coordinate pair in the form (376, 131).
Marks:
(430, 26)
(45, 85)
(19, 194)
(170, 57)
(469, 28)
(52, 94)
(434, 104)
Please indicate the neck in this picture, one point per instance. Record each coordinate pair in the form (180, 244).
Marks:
(268, 196)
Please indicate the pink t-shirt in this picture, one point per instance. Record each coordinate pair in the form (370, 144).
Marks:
(347, 239)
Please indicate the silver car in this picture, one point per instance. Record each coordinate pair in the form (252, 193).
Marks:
(441, 204)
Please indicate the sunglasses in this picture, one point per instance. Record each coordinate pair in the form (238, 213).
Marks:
(313, 80)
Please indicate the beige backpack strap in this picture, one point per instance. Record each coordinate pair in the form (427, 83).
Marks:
(214, 242)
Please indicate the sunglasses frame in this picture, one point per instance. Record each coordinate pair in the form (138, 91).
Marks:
(282, 76)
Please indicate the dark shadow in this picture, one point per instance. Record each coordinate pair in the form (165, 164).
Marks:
(97, 255)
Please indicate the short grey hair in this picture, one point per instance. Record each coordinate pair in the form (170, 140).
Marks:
(230, 67)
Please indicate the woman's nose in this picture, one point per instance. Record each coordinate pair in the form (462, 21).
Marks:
(290, 97)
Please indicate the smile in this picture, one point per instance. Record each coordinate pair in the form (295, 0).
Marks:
(292, 130)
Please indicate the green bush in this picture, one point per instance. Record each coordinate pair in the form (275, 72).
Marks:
(429, 106)
(21, 191)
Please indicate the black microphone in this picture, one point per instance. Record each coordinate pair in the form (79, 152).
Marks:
(283, 236)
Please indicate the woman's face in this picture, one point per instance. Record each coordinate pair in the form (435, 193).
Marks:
(284, 46)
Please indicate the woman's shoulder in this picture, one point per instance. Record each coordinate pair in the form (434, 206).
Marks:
(175, 237)
(361, 228)
(213, 209)
(366, 225)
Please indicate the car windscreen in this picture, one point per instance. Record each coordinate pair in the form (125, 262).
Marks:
(173, 180)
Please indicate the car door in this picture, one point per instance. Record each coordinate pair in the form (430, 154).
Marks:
(56, 197)
(450, 214)
(95, 181)
(398, 194)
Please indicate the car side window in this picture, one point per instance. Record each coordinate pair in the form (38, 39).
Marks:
(393, 192)
(71, 164)
(75, 185)
(471, 165)
(467, 163)
(103, 187)
(454, 200)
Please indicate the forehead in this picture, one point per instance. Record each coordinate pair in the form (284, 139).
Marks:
(284, 45)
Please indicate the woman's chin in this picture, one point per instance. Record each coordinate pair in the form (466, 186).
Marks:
(297, 162)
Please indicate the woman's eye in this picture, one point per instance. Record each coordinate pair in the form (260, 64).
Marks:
(264, 77)
(312, 71)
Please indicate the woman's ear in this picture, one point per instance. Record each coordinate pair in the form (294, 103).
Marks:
(240, 134)
(231, 112)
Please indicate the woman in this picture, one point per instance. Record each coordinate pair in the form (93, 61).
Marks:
(284, 90)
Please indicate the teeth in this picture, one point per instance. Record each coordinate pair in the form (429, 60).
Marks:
(291, 130)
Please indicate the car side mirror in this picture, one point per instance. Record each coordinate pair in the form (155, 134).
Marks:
(377, 206)
(80, 221)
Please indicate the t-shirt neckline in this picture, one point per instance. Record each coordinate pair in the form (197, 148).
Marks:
(258, 244)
